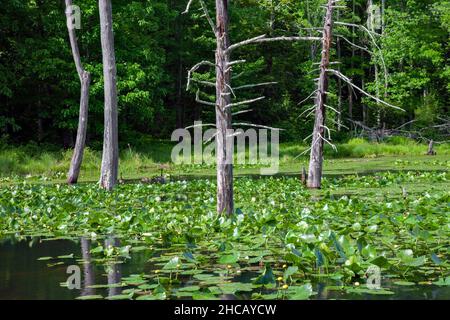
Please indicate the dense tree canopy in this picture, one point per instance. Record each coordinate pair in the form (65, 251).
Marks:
(156, 44)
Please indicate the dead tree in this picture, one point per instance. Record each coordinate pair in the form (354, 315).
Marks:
(223, 114)
(304, 176)
(224, 91)
(110, 158)
(321, 133)
(316, 158)
(431, 151)
(85, 80)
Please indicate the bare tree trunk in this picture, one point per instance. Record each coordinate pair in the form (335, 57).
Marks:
(316, 159)
(350, 89)
(431, 151)
(304, 176)
(85, 80)
(377, 80)
(339, 109)
(110, 159)
(223, 113)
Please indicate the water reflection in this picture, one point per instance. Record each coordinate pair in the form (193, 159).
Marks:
(114, 270)
(88, 268)
(23, 276)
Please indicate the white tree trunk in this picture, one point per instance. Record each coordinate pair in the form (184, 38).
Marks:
(316, 159)
(110, 159)
(85, 80)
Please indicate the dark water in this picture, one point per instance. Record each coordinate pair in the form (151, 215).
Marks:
(23, 276)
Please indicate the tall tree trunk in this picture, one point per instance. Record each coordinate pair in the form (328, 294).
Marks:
(223, 114)
(85, 80)
(316, 159)
(110, 159)
(339, 108)
(372, 19)
(352, 64)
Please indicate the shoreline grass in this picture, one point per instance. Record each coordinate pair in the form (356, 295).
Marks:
(355, 156)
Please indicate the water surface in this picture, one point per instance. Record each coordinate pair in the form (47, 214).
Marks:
(23, 276)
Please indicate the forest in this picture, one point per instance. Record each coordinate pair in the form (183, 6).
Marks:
(314, 137)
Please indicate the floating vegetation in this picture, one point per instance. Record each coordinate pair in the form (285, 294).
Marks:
(281, 242)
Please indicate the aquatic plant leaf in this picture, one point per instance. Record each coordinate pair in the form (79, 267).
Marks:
(300, 292)
(229, 259)
(266, 277)
(173, 264)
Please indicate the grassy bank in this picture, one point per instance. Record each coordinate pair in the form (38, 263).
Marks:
(356, 155)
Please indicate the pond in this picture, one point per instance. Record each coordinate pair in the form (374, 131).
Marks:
(36, 268)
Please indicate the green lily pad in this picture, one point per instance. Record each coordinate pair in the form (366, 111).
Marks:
(404, 283)
(228, 259)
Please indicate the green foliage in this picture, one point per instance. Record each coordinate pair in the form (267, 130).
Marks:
(156, 45)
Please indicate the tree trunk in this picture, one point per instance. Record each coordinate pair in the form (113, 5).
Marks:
(376, 72)
(85, 80)
(110, 159)
(352, 64)
(304, 176)
(339, 108)
(431, 151)
(316, 159)
(223, 114)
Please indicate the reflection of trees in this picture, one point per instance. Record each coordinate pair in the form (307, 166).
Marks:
(88, 269)
(114, 269)
(322, 291)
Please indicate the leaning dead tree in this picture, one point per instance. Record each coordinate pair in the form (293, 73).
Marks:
(110, 158)
(225, 92)
(321, 133)
(85, 80)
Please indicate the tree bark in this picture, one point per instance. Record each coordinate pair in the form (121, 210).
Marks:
(85, 80)
(339, 109)
(352, 63)
(431, 151)
(316, 158)
(224, 156)
(110, 158)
